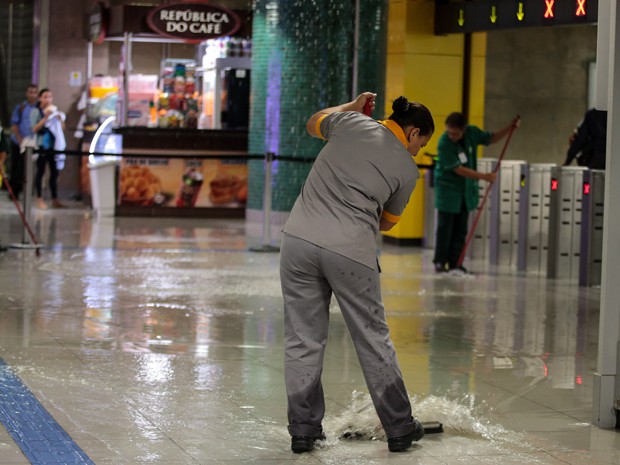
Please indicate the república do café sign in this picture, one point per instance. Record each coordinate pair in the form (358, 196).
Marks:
(193, 21)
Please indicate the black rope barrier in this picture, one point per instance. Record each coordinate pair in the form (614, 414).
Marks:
(205, 156)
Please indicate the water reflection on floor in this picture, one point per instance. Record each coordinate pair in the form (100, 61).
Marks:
(160, 341)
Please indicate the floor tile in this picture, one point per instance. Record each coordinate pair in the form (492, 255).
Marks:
(160, 340)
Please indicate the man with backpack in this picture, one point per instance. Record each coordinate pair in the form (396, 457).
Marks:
(589, 141)
(21, 128)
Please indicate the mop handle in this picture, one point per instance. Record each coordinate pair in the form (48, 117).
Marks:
(19, 210)
(470, 235)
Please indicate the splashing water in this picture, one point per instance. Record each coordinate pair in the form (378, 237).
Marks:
(459, 417)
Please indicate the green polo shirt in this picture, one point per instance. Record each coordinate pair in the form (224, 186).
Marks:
(451, 190)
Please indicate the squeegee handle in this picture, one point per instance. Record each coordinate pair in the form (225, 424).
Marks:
(472, 230)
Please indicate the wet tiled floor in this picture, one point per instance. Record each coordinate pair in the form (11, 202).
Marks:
(160, 341)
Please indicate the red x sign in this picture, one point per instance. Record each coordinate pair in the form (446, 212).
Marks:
(586, 188)
(581, 8)
(549, 12)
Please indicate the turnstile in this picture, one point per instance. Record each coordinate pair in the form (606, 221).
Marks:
(565, 223)
(534, 199)
(504, 221)
(591, 246)
(479, 245)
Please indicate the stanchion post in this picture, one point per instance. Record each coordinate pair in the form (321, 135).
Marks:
(29, 175)
(267, 200)
(266, 246)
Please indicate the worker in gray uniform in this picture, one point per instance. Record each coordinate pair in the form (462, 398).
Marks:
(359, 184)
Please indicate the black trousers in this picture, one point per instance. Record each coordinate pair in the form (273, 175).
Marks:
(43, 160)
(16, 173)
(450, 237)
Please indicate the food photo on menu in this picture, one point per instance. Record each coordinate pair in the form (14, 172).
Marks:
(182, 183)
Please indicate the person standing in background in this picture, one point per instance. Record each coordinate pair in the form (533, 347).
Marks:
(20, 129)
(48, 124)
(456, 185)
(589, 141)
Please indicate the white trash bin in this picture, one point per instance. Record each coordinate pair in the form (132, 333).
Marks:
(102, 176)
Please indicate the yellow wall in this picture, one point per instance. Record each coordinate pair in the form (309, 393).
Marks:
(429, 69)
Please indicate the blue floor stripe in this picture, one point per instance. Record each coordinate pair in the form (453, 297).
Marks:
(38, 435)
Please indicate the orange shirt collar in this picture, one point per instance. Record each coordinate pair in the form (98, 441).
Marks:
(396, 130)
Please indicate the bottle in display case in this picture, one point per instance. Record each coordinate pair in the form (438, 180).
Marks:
(178, 102)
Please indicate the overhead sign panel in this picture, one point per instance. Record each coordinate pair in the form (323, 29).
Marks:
(489, 15)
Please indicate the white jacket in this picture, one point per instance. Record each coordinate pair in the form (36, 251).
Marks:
(54, 124)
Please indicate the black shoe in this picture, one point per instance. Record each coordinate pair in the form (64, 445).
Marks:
(3, 248)
(301, 444)
(440, 268)
(403, 443)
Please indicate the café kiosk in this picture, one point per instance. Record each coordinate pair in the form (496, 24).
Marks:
(179, 121)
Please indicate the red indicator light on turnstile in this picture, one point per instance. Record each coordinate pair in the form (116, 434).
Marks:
(586, 188)
(549, 11)
(581, 8)
(554, 184)
(579, 380)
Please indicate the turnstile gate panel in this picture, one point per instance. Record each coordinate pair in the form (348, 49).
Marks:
(591, 247)
(504, 221)
(565, 223)
(534, 199)
(479, 246)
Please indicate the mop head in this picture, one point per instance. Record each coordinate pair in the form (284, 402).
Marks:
(463, 416)
(359, 421)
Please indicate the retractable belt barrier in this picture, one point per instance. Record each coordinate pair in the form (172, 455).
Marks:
(268, 158)
(559, 211)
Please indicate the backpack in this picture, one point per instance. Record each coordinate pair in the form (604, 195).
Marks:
(47, 138)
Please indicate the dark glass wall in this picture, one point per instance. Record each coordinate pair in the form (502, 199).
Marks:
(303, 53)
(16, 52)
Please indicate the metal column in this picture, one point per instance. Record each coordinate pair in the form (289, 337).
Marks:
(504, 231)
(534, 199)
(591, 247)
(606, 390)
(430, 214)
(565, 223)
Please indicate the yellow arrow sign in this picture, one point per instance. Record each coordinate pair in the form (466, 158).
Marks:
(493, 14)
(520, 13)
(461, 17)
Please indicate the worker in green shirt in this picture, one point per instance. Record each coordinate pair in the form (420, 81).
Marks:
(456, 185)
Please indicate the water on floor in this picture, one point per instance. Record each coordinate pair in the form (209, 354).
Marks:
(160, 341)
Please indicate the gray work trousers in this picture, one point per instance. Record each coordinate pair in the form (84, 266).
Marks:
(309, 274)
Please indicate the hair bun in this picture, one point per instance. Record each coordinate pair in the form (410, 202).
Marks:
(400, 105)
